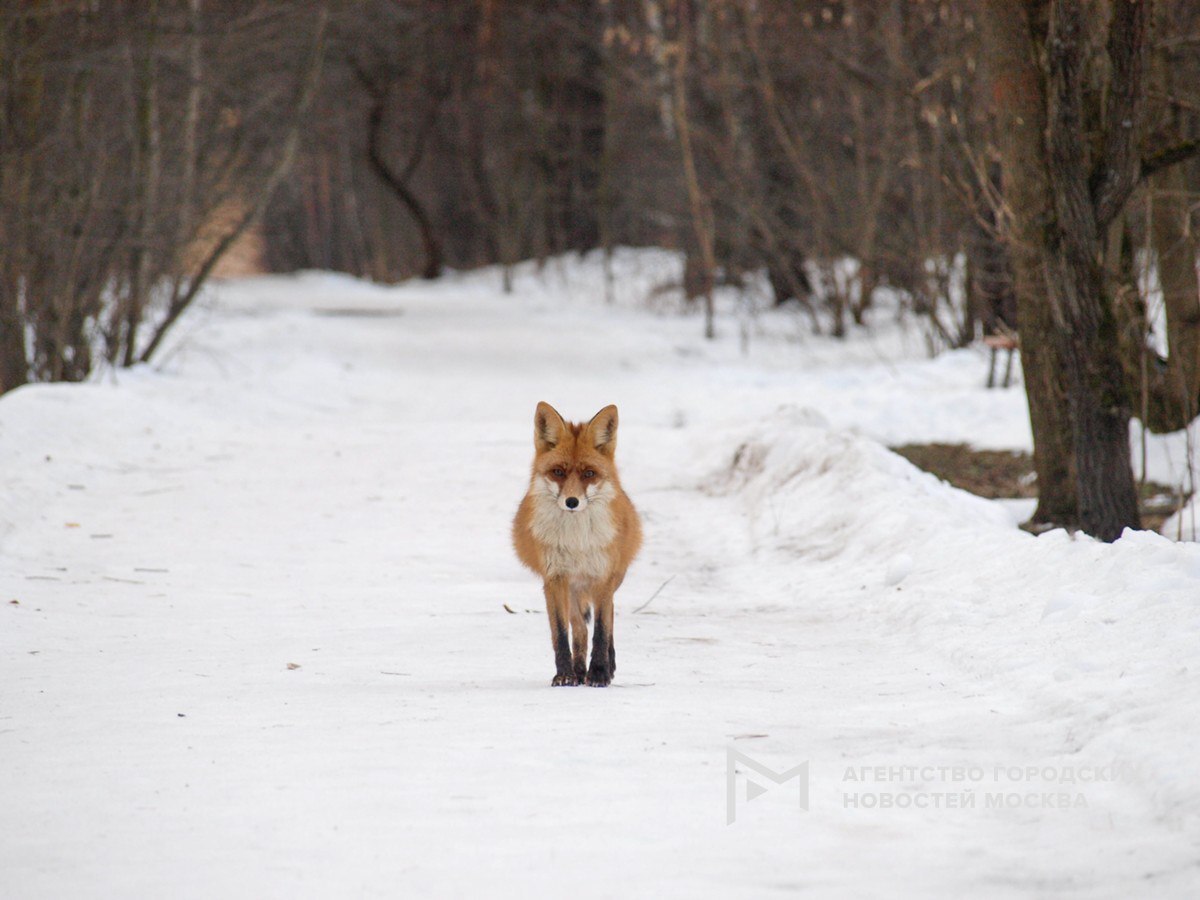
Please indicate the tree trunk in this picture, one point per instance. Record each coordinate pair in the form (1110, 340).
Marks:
(993, 302)
(1174, 395)
(429, 241)
(14, 363)
(148, 171)
(1021, 117)
(702, 222)
(1085, 202)
(21, 116)
(1070, 163)
(191, 124)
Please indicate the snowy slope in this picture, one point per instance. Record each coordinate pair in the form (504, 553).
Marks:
(260, 647)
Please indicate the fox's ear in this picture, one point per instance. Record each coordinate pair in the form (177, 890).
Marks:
(548, 427)
(602, 430)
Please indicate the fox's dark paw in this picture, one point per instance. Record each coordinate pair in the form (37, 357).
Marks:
(568, 680)
(598, 677)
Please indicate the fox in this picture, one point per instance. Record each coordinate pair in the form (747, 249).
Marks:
(577, 528)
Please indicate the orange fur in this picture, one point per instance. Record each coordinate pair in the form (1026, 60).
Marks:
(578, 529)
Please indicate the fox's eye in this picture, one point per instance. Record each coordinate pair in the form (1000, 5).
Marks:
(589, 474)
(558, 473)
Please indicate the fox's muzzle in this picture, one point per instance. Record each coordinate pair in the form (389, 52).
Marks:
(573, 503)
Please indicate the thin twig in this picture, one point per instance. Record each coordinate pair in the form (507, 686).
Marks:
(655, 594)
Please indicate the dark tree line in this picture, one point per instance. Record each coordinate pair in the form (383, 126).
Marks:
(1023, 166)
(137, 141)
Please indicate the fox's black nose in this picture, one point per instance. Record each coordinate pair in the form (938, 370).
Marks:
(572, 502)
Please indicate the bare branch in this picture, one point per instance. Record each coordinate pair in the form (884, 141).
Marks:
(312, 77)
(1118, 171)
(1170, 156)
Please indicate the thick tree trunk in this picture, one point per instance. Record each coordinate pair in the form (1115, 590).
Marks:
(1086, 199)
(1043, 371)
(1097, 400)
(1021, 118)
(1069, 168)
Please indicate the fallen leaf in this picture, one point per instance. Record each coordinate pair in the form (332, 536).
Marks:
(508, 608)
(293, 665)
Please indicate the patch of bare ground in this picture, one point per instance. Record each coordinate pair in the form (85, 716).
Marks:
(1009, 474)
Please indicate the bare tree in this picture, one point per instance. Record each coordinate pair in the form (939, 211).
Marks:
(1071, 92)
(701, 210)
(124, 128)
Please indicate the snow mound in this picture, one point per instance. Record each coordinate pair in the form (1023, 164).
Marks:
(1089, 637)
(815, 492)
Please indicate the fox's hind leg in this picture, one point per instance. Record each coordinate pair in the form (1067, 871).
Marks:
(558, 598)
(580, 613)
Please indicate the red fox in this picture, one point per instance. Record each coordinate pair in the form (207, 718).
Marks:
(579, 531)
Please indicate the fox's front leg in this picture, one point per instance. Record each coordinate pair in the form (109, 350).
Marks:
(600, 672)
(579, 635)
(558, 598)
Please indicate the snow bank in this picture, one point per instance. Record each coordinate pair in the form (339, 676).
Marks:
(819, 493)
(1103, 636)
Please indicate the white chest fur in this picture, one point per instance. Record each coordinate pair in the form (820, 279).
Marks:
(574, 544)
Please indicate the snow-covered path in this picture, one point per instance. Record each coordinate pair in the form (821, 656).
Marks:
(259, 644)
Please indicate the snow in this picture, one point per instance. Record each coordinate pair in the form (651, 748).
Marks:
(260, 645)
